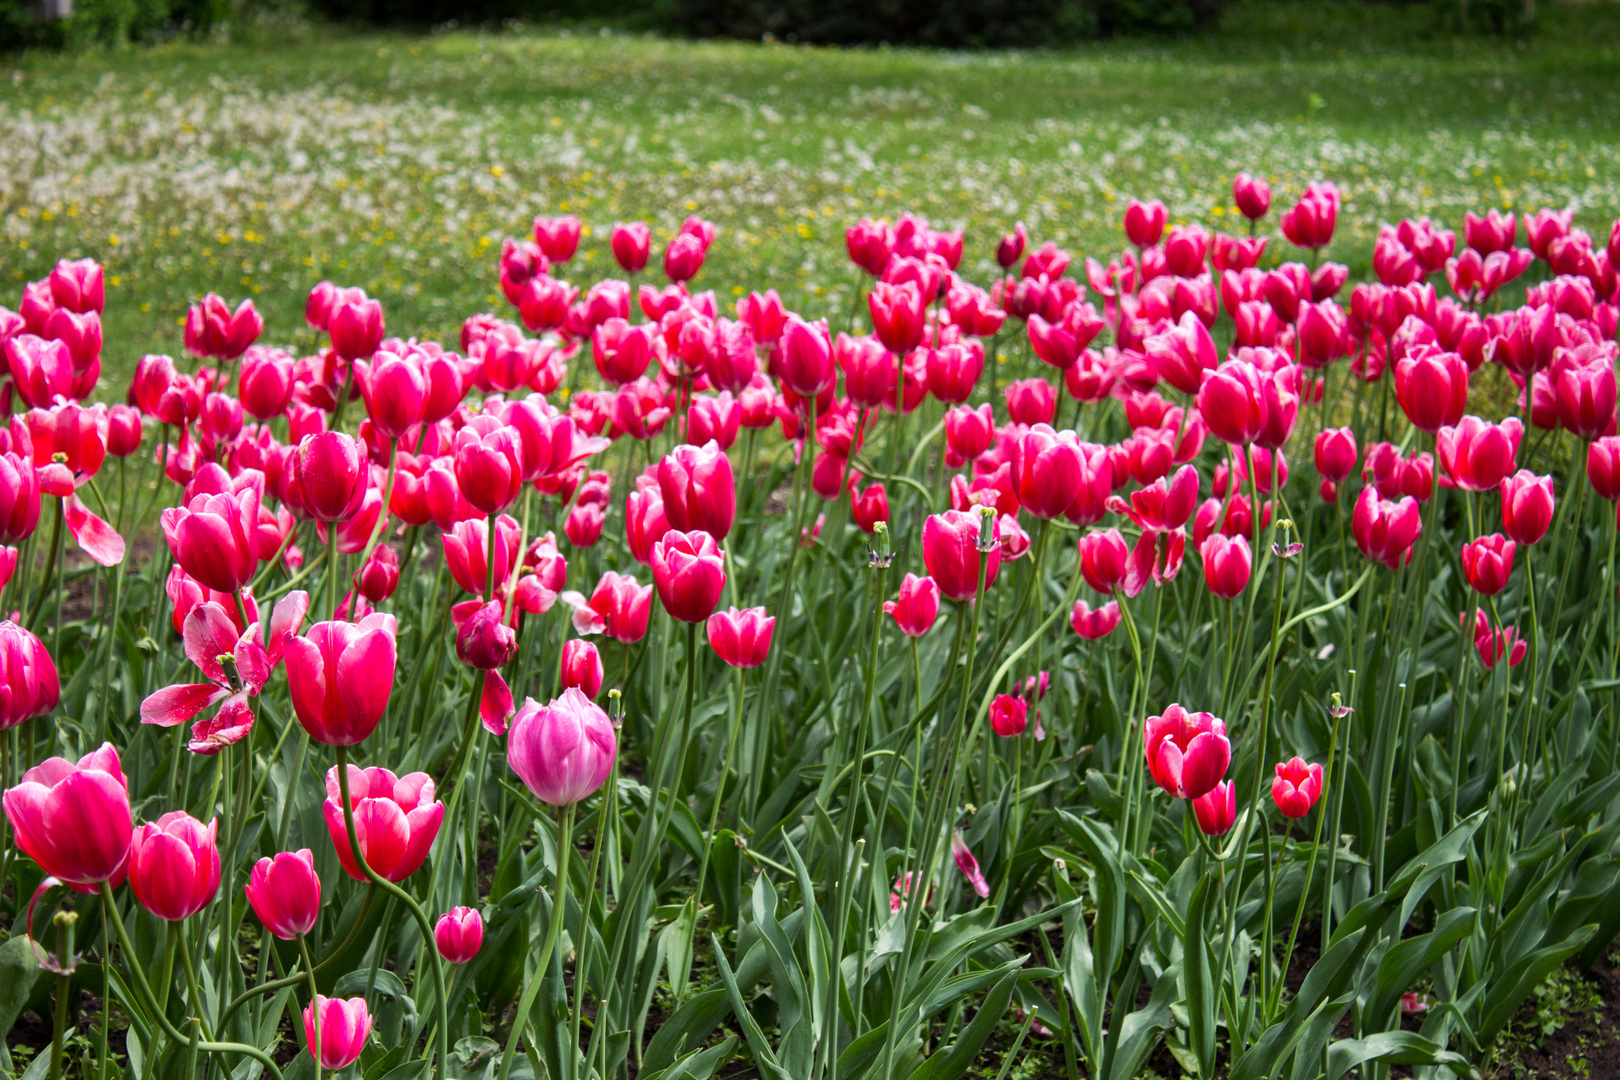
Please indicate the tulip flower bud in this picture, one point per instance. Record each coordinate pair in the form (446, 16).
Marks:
(1144, 222)
(285, 893)
(683, 258)
(344, 1027)
(1253, 197)
(74, 819)
(459, 934)
(806, 357)
(1216, 809)
(1011, 247)
(1031, 401)
(1296, 787)
(917, 607)
(698, 489)
(1227, 563)
(1432, 388)
(741, 639)
(558, 237)
(563, 751)
(689, 573)
(123, 430)
(489, 467)
(1336, 454)
(1527, 506)
(1386, 531)
(1488, 563)
(1008, 715)
(1187, 753)
(631, 245)
(355, 324)
(582, 667)
(483, 640)
(1103, 559)
(870, 507)
(174, 865)
(379, 577)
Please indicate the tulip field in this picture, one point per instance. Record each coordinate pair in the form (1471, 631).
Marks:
(483, 604)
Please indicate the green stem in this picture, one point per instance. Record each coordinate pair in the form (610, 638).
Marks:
(559, 903)
(50, 569)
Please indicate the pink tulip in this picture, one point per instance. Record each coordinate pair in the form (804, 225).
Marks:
(78, 285)
(1094, 623)
(741, 639)
(395, 820)
(356, 326)
(1008, 715)
(954, 370)
(74, 819)
(1311, 222)
(344, 1027)
(1144, 222)
(1488, 563)
(1296, 787)
(1527, 506)
(1478, 455)
(1183, 353)
(806, 357)
(1030, 401)
(619, 608)
(1336, 454)
(582, 667)
(1216, 809)
(1227, 563)
(969, 866)
(339, 676)
(951, 553)
(1252, 195)
(557, 237)
(285, 893)
(1386, 531)
(631, 245)
(689, 573)
(917, 606)
(563, 751)
(969, 431)
(28, 681)
(213, 538)
(1047, 471)
(489, 466)
(174, 865)
(213, 330)
(459, 934)
(1187, 753)
(1432, 388)
(698, 490)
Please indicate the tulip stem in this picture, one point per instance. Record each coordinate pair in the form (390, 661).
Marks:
(331, 571)
(50, 570)
(440, 1005)
(1310, 872)
(296, 977)
(314, 1000)
(382, 516)
(144, 990)
(559, 905)
(720, 785)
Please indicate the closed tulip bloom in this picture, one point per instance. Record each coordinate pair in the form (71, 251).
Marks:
(123, 430)
(631, 245)
(74, 819)
(1144, 222)
(29, 686)
(1011, 246)
(1227, 563)
(1187, 753)
(1432, 388)
(1336, 454)
(459, 934)
(898, 315)
(19, 497)
(489, 467)
(174, 865)
(1296, 787)
(965, 862)
(1386, 531)
(1253, 198)
(563, 751)
(714, 419)
(557, 237)
(395, 394)
(1094, 623)
(969, 431)
(869, 243)
(1479, 455)
(917, 606)
(1233, 404)
(1216, 809)
(1103, 559)
(483, 640)
(1603, 466)
(621, 351)
(698, 489)
(1047, 470)
(78, 285)
(741, 639)
(954, 370)
(869, 369)
(582, 667)
(1183, 353)
(355, 325)
(1527, 506)
(689, 572)
(213, 538)
(951, 553)
(396, 820)
(213, 330)
(379, 577)
(339, 676)
(466, 551)
(1311, 222)
(344, 1027)
(1008, 715)
(331, 473)
(683, 258)
(618, 608)
(806, 357)
(1031, 401)
(1488, 563)
(285, 892)
(1586, 397)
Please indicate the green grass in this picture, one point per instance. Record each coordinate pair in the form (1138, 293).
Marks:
(398, 162)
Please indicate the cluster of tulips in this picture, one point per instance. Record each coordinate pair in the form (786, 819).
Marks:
(385, 497)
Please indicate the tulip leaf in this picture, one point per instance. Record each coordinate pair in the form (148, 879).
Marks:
(1391, 1048)
(1198, 970)
(18, 970)
(1406, 960)
(953, 1061)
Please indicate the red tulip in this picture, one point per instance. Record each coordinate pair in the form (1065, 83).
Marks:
(806, 357)
(1008, 715)
(1586, 395)
(1144, 222)
(1232, 402)
(285, 893)
(1227, 563)
(954, 371)
(917, 606)
(1311, 222)
(379, 576)
(1187, 753)
(1031, 401)
(356, 326)
(631, 245)
(1488, 563)
(174, 865)
(78, 285)
(563, 751)
(741, 639)
(489, 466)
(1527, 506)
(1336, 454)
(869, 244)
(1432, 388)
(1252, 195)
(1216, 809)
(1103, 559)
(689, 573)
(1011, 246)
(898, 315)
(459, 934)
(698, 489)
(952, 555)
(213, 538)
(969, 431)
(1047, 470)
(557, 237)
(1478, 455)
(339, 676)
(1296, 787)
(1386, 531)
(396, 820)
(344, 1027)
(74, 819)
(969, 866)
(1094, 623)
(869, 507)
(331, 474)
(582, 667)
(1183, 353)
(213, 330)
(714, 419)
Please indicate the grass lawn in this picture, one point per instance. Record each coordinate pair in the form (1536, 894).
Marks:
(398, 162)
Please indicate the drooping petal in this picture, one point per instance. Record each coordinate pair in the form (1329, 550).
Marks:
(99, 540)
(496, 705)
(176, 704)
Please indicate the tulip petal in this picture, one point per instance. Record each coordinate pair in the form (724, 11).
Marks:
(99, 540)
(174, 705)
(496, 705)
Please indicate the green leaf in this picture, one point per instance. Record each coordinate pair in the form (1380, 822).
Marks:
(1140, 1028)
(1391, 1048)
(1515, 984)
(1408, 959)
(1199, 974)
(1108, 932)
(698, 1065)
(764, 1056)
(18, 970)
(953, 1061)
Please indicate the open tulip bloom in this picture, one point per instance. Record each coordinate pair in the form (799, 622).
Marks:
(620, 615)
